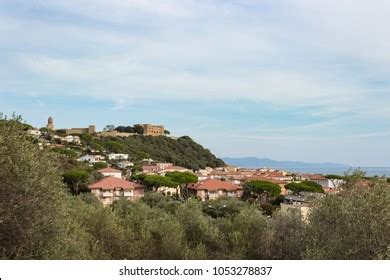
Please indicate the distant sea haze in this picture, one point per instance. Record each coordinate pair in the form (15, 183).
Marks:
(304, 167)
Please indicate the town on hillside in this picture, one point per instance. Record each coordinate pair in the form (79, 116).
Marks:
(120, 176)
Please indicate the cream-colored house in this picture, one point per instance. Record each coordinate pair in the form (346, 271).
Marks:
(111, 172)
(302, 208)
(111, 188)
(212, 189)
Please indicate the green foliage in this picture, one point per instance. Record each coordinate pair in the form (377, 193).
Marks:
(114, 146)
(156, 181)
(128, 129)
(34, 207)
(100, 165)
(182, 152)
(305, 186)
(139, 129)
(332, 176)
(61, 132)
(352, 225)
(76, 180)
(71, 153)
(261, 187)
(182, 177)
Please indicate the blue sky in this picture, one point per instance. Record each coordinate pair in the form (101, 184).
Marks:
(290, 80)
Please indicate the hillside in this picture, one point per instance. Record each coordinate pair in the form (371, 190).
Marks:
(182, 152)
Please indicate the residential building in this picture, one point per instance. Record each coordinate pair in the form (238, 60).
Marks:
(212, 189)
(118, 156)
(72, 139)
(300, 203)
(124, 164)
(111, 172)
(111, 188)
(92, 159)
(303, 209)
(281, 183)
(164, 165)
(148, 169)
(34, 132)
(153, 130)
(323, 181)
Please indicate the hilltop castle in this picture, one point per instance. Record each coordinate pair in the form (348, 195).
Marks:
(89, 130)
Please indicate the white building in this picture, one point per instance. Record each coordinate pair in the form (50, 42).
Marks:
(92, 158)
(72, 139)
(111, 172)
(118, 157)
(34, 132)
(110, 189)
(124, 164)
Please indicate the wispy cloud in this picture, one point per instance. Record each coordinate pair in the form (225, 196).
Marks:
(327, 61)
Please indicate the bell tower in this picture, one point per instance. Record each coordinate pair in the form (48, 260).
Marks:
(50, 124)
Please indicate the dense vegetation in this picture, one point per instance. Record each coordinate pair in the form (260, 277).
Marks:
(305, 186)
(39, 219)
(182, 152)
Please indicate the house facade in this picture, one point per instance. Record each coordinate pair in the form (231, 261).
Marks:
(111, 172)
(112, 188)
(92, 158)
(118, 156)
(213, 189)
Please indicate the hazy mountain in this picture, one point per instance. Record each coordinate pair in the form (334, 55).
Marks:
(254, 162)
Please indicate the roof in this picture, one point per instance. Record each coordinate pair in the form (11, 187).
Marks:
(314, 176)
(215, 185)
(267, 179)
(111, 183)
(109, 170)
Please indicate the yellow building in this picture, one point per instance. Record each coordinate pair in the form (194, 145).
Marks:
(153, 130)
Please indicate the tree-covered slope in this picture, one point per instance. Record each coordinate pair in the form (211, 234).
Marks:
(183, 151)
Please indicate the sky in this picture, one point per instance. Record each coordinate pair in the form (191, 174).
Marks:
(284, 79)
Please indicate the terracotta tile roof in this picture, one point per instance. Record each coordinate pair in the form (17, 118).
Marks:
(314, 176)
(267, 179)
(111, 183)
(215, 185)
(109, 170)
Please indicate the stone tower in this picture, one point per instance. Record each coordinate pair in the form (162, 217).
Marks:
(50, 124)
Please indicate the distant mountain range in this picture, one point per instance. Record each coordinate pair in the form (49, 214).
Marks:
(253, 162)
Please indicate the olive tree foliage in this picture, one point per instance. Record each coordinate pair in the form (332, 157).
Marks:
(352, 225)
(34, 222)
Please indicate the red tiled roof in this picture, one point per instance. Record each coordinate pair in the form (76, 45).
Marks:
(111, 183)
(314, 176)
(109, 170)
(214, 185)
(267, 179)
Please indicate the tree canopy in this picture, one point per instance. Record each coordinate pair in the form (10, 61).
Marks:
(305, 186)
(182, 178)
(261, 187)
